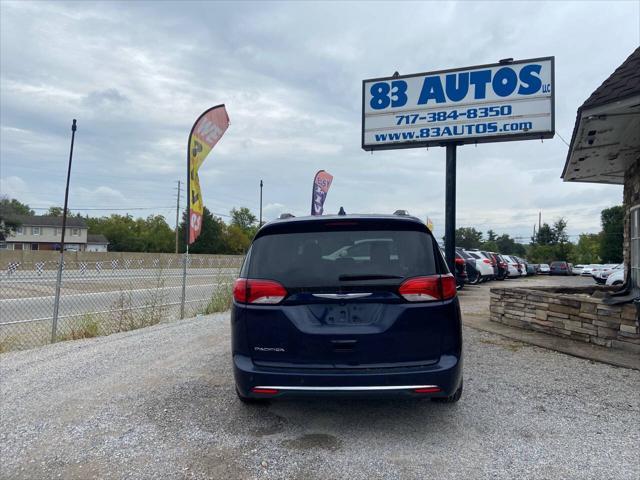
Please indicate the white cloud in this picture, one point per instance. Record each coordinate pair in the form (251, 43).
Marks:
(290, 75)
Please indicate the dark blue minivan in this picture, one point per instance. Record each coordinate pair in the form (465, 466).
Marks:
(346, 305)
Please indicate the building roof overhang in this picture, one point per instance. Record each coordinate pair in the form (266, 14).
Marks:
(605, 142)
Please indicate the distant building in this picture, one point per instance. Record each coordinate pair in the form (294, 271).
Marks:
(42, 232)
(97, 243)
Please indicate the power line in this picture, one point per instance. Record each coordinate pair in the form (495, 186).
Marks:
(565, 142)
(108, 208)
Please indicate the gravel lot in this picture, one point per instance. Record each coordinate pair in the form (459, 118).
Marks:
(159, 403)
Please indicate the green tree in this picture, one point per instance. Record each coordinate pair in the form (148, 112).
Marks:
(551, 243)
(564, 248)
(491, 236)
(245, 220)
(507, 245)
(126, 234)
(468, 237)
(490, 246)
(120, 230)
(55, 211)
(155, 234)
(541, 253)
(212, 238)
(560, 231)
(612, 234)
(544, 236)
(10, 209)
(587, 249)
(237, 240)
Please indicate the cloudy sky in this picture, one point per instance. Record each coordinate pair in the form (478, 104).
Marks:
(136, 75)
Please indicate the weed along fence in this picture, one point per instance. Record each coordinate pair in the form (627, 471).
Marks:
(103, 293)
(576, 313)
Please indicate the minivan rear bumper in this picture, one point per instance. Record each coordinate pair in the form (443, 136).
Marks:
(446, 374)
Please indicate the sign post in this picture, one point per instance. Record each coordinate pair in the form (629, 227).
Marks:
(498, 102)
(450, 208)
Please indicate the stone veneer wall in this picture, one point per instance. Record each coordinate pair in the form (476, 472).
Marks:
(575, 313)
(630, 198)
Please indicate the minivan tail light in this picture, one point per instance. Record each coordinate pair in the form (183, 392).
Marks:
(486, 260)
(426, 289)
(460, 261)
(265, 292)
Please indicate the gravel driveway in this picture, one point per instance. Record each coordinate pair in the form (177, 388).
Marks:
(159, 403)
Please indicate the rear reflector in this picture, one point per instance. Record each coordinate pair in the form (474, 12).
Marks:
(265, 391)
(266, 292)
(425, 289)
(427, 390)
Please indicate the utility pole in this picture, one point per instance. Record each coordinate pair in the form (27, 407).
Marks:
(56, 301)
(260, 222)
(177, 215)
(539, 220)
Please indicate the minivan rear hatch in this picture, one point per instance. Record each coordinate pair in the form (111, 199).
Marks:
(343, 307)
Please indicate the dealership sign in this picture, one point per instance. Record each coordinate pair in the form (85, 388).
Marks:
(489, 103)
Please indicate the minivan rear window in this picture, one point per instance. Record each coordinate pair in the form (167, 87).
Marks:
(341, 257)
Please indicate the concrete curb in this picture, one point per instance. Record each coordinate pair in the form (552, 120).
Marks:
(588, 351)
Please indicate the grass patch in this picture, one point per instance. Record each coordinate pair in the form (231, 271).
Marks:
(87, 327)
(220, 300)
(7, 344)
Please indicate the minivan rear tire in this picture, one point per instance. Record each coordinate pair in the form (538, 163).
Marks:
(451, 399)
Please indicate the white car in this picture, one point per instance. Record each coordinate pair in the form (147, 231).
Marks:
(601, 275)
(587, 270)
(543, 268)
(483, 264)
(512, 265)
(616, 277)
(577, 269)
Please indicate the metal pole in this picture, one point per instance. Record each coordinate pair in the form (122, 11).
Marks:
(56, 302)
(177, 215)
(450, 208)
(260, 222)
(187, 227)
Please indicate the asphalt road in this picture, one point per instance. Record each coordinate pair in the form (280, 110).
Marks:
(31, 299)
(159, 403)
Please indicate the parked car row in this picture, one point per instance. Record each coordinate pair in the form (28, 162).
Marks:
(611, 274)
(474, 266)
(604, 273)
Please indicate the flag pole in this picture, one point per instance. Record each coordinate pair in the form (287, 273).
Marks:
(187, 228)
(260, 222)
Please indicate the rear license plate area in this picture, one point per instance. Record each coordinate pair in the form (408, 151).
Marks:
(346, 315)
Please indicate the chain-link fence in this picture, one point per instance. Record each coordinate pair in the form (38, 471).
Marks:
(109, 294)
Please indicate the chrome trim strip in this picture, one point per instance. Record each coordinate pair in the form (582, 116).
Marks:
(340, 296)
(352, 389)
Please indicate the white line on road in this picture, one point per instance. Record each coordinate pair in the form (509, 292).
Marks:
(65, 296)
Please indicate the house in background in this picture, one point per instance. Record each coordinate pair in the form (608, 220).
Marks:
(96, 243)
(42, 232)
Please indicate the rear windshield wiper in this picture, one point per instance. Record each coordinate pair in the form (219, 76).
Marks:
(379, 276)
